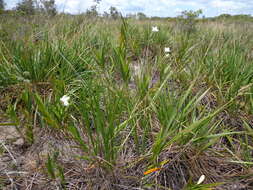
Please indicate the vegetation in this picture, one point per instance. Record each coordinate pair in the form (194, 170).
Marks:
(49, 7)
(188, 19)
(114, 13)
(26, 7)
(2, 5)
(100, 104)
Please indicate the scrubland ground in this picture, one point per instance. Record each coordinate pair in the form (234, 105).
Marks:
(138, 117)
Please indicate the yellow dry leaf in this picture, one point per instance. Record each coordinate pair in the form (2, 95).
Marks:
(151, 171)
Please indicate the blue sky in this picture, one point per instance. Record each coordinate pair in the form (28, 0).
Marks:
(156, 7)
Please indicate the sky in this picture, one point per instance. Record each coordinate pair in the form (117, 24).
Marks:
(161, 8)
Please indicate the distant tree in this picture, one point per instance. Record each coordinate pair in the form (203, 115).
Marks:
(191, 14)
(141, 16)
(188, 20)
(114, 13)
(106, 14)
(224, 16)
(2, 5)
(27, 7)
(49, 7)
(93, 11)
(97, 1)
(131, 15)
(242, 16)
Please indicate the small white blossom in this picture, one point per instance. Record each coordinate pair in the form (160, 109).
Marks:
(167, 50)
(155, 29)
(201, 179)
(65, 100)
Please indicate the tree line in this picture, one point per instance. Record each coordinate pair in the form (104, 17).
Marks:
(31, 7)
(48, 7)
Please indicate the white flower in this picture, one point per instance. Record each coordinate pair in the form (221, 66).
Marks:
(201, 179)
(155, 29)
(167, 50)
(65, 100)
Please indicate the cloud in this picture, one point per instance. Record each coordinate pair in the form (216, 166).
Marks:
(229, 6)
(10, 3)
(73, 6)
(157, 7)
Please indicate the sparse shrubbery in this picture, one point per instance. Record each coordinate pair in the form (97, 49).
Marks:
(2, 5)
(188, 20)
(26, 7)
(32, 7)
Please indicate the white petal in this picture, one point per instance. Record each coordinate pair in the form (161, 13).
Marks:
(155, 29)
(66, 103)
(167, 50)
(201, 179)
(65, 100)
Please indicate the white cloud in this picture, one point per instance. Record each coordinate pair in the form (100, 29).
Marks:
(73, 6)
(232, 6)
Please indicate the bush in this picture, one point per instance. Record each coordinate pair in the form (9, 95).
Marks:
(188, 20)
